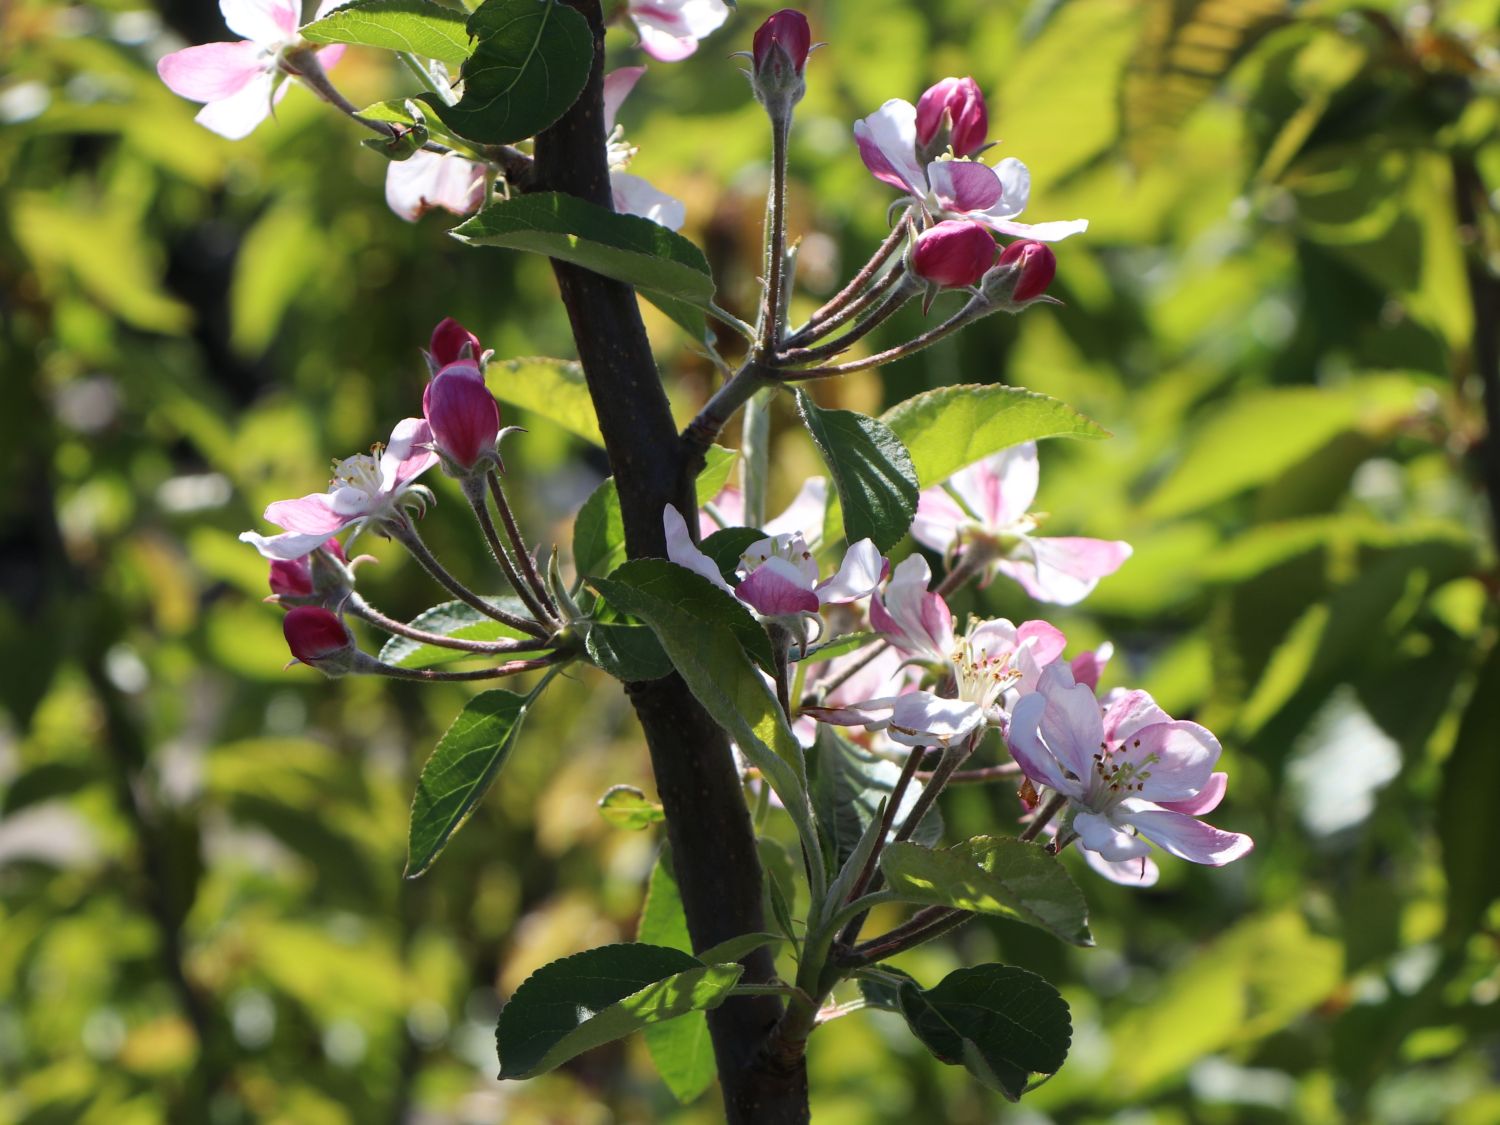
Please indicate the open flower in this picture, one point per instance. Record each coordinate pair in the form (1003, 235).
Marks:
(985, 506)
(429, 181)
(670, 29)
(632, 195)
(778, 575)
(366, 488)
(1130, 772)
(951, 188)
(804, 514)
(237, 81)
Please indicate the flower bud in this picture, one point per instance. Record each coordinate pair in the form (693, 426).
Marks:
(952, 113)
(463, 415)
(955, 253)
(293, 579)
(1035, 266)
(317, 637)
(449, 341)
(780, 52)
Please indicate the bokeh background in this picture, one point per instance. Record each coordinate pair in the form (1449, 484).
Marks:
(202, 916)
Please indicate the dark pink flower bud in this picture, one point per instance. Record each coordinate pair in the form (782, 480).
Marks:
(958, 103)
(463, 415)
(293, 578)
(448, 341)
(788, 30)
(316, 635)
(1036, 266)
(955, 253)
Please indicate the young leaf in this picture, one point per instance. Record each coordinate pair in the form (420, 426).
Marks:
(601, 995)
(553, 389)
(871, 469)
(1466, 825)
(599, 530)
(992, 875)
(460, 771)
(418, 26)
(625, 806)
(951, 427)
(680, 1048)
(625, 247)
(451, 619)
(1002, 1024)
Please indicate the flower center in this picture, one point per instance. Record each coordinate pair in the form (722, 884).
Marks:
(792, 548)
(617, 151)
(360, 473)
(1118, 778)
(980, 678)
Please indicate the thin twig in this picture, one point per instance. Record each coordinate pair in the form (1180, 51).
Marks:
(878, 259)
(771, 323)
(966, 315)
(366, 612)
(899, 297)
(512, 668)
(1044, 816)
(474, 492)
(523, 554)
(405, 534)
(975, 777)
(869, 874)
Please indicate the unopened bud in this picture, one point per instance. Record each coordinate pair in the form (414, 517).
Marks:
(1035, 266)
(952, 114)
(452, 342)
(463, 415)
(778, 57)
(954, 254)
(317, 637)
(294, 580)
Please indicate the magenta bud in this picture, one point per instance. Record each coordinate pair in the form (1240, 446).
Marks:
(1036, 266)
(463, 415)
(954, 254)
(293, 578)
(449, 339)
(957, 103)
(787, 30)
(316, 636)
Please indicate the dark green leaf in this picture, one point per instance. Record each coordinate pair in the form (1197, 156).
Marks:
(1467, 826)
(529, 64)
(423, 28)
(738, 948)
(680, 1048)
(881, 987)
(601, 995)
(1003, 1024)
(849, 785)
(451, 619)
(992, 875)
(625, 806)
(726, 545)
(871, 469)
(628, 652)
(625, 247)
(460, 771)
(951, 427)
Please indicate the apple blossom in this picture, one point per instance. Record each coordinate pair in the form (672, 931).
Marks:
(785, 34)
(889, 145)
(670, 29)
(778, 575)
(366, 488)
(984, 507)
(237, 82)
(632, 195)
(1129, 772)
(293, 578)
(451, 342)
(317, 637)
(462, 414)
(951, 114)
(1036, 266)
(429, 181)
(804, 514)
(955, 253)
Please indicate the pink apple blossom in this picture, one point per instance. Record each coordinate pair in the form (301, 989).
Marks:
(954, 253)
(784, 34)
(429, 181)
(451, 342)
(670, 29)
(237, 82)
(463, 416)
(316, 636)
(366, 488)
(778, 575)
(951, 114)
(293, 578)
(632, 194)
(1036, 266)
(1129, 771)
(986, 506)
(889, 144)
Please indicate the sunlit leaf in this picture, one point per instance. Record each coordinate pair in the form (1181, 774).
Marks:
(877, 485)
(417, 26)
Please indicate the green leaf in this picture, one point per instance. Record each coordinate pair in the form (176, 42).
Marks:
(553, 389)
(625, 806)
(599, 530)
(840, 646)
(530, 62)
(451, 619)
(952, 427)
(1467, 825)
(700, 627)
(460, 771)
(992, 875)
(876, 482)
(423, 28)
(627, 651)
(849, 785)
(881, 985)
(1002, 1024)
(601, 995)
(738, 948)
(411, 129)
(680, 1048)
(726, 545)
(627, 248)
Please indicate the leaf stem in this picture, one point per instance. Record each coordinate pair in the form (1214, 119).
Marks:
(868, 874)
(966, 315)
(431, 675)
(1044, 816)
(923, 926)
(775, 312)
(838, 301)
(904, 290)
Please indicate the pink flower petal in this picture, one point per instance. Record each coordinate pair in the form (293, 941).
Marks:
(635, 196)
(773, 590)
(887, 142)
(1139, 872)
(405, 457)
(1088, 667)
(266, 22)
(860, 572)
(923, 719)
(211, 72)
(617, 87)
(939, 518)
(1186, 837)
(1071, 725)
(917, 622)
(1045, 642)
(426, 181)
(307, 515)
(1207, 799)
(1178, 756)
(684, 552)
(237, 116)
(662, 46)
(1037, 232)
(963, 185)
(805, 513)
(1113, 842)
(1063, 570)
(1129, 711)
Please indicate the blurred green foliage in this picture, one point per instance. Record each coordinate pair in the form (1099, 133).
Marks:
(201, 910)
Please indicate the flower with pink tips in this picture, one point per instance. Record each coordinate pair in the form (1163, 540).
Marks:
(1129, 771)
(432, 181)
(778, 575)
(952, 187)
(366, 488)
(237, 82)
(986, 507)
(670, 29)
